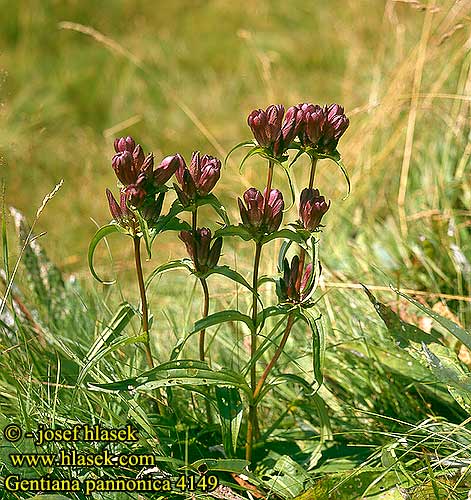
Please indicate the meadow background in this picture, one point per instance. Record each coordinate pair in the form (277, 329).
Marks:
(183, 75)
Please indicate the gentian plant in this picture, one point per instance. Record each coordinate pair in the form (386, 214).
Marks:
(304, 129)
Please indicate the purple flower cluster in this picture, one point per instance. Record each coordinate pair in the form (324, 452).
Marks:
(141, 181)
(315, 126)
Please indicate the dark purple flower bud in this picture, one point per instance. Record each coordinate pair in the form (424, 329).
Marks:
(120, 212)
(314, 120)
(305, 285)
(180, 169)
(292, 283)
(252, 212)
(136, 193)
(273, 210)
(292, 287)
(203, 241)
(323, 127)
(124, 144)
(205, 172)
(115, 209)
(129, 162)
(190, 243)
(138, 157)
(261, 215)
(168, 166)
(123, 166)
(292, 124)
(199, 179)
(312, 208)
(215, 253)
(266, 125)
(148, 165)
(198, 246)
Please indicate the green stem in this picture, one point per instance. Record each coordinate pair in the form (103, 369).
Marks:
(313, 172)
(269, 178)
(252, 423)
(142, 291)
(204, 285)
(273, 361)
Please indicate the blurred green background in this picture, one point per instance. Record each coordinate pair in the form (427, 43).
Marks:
(184, 75)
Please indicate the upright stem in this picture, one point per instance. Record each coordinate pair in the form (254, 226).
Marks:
(277, 354)
(142, 291)
(313, 172)
(204, 285)
(252, 420)
(269, 178)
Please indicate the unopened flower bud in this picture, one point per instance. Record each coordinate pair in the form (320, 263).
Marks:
(138, 157)
(124, 144)
(290, 287)
(120, 212)
(168, 166)
(323, 127)
(266, 125)
(291, 126)
(261, 215)
(115, 209)
(198, 246)
(205, 171)
(312, 208)
(197, 180)
(136, 193)
(123, 166)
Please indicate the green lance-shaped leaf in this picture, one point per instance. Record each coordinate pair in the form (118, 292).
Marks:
(230, 410)
(318, 344)
(283, 251)
(214, 319)
(403, 332)
(168, 266)
(314, 278)
(108, 340)
(221, 317)
(255, 150)
(464, 336)
(232, 230)
(287, 234)
(178, 373)
(242, 144)
(270, 311)
(103, 232)
(218, 207)
(335, 157)
(231, 274)
(287, 478)
(169, 221)
(447, 369)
